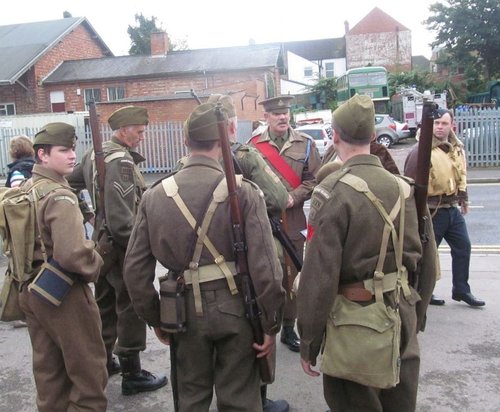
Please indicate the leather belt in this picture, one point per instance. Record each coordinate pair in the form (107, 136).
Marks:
(356, 292)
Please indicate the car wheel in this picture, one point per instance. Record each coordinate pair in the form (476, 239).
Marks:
(385, 140)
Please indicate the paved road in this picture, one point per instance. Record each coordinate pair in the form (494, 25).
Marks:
(460, 368)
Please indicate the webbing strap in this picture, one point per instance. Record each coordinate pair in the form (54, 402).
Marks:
(220, 194)
(361, 186)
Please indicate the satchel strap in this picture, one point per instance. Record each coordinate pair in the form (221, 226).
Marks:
(361, 186)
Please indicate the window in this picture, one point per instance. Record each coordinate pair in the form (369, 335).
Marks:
(308, 71)
(91, 94)
(7, 109)
(329, 70)
(116, 93)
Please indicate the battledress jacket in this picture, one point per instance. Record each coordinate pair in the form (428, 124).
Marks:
(300, 152)
(162, 234)
(254, 168)
(344, 237)
(123, 188)
(61, 224)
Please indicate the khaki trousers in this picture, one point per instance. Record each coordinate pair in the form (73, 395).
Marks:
(217, 351)
(69, 359)
(122, 330)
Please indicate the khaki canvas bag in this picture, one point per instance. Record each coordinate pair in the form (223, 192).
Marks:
(18, 230)
(362, 342)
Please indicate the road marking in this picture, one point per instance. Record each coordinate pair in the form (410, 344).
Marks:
(483, 184)
(475, 248)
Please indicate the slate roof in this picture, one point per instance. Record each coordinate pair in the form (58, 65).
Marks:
(321, 49)
(175, 62)
(22, 45)
(377, 21)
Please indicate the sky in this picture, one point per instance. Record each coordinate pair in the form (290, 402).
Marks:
(220, 23)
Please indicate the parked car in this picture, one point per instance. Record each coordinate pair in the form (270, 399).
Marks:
(402, 130)
(385, 128)
(319, 132)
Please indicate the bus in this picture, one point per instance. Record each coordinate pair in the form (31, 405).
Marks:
(369, 80)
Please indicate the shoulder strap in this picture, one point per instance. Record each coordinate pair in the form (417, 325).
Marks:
(361, 186)
(39, 193)
(273, 156)
(220, 194)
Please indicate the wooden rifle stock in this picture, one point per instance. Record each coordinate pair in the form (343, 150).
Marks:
(247, 290)
(423, 167)
(99, 160)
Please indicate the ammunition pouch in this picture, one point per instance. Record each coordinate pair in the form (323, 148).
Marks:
(52, 283)
(172, 304)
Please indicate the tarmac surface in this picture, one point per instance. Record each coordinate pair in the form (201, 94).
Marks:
(460, 350)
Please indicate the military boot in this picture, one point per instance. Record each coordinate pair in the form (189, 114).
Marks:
(135, 379)
(290, 338)
(113, 366)
(268, 405)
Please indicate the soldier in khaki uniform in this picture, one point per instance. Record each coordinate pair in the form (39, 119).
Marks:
(448, 202)
(217, 348)
(252, 166)
(250, 162)
(343, 249)
(122, 330)
(294, 158)
(69, 358)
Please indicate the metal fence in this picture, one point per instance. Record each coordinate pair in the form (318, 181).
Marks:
(163, 146)
(479, 130)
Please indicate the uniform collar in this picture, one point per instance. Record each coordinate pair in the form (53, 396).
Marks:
(136, 156)
(200, 160)
(364, 159)
(41, 172)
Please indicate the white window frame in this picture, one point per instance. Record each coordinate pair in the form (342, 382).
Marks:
(308, 71)
(4, 111)
(93, 95)
(329, 72)
(114, 91)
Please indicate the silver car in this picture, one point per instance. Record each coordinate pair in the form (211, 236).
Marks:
(386, 130)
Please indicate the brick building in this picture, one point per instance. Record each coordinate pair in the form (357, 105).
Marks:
(378, 40)
(162, 82)
(30, 51)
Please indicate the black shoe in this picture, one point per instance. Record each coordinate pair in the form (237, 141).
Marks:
(436, 301)
(275, 406)
(468, 298)
(135, 379)
(113, 366)
(290, 339)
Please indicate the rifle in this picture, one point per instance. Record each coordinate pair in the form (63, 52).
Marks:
(99, 161)
(423, 167)
(251, 308)
(285, 241)
(422, 173)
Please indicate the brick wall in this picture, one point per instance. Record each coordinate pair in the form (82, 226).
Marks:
(391, 50)
(158, 95)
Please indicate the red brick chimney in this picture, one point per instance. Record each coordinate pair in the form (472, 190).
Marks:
(159, 44)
